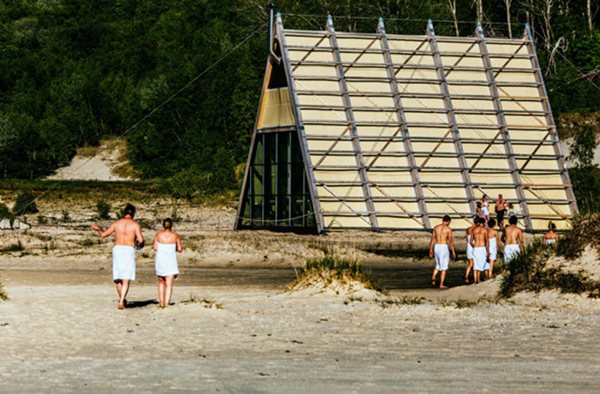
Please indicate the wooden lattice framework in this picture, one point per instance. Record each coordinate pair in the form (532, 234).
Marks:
(394, 132)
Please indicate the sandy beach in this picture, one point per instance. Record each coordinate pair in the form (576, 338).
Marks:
(233, 327)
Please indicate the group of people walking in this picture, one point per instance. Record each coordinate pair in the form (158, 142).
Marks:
(128, 238)
(483, 242)
(483, 245)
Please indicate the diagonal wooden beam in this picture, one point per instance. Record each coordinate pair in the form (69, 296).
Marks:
(535, 150)
(332, 146)
(545, 201)
(509, 60)
(413, 217)
(488, 147)
(309, 53)
(360, 55)
(396, 71)
(345, 203)
(467, 218)
(461, 58)
(435, 148)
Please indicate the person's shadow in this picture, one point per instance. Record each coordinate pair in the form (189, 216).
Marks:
(140, 304)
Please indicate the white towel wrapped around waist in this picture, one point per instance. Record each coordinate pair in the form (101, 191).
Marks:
(510, 252)
(442, 257)
(493, 248)
(469, 248)
(166, 259)
(479, 258)
(123, 262)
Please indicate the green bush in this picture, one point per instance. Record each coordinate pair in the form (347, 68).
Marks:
(4, 211)
(529, 272)
(25, 203)
(103, 209)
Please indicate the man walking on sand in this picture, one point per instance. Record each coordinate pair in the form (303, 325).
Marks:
(441, 238)
(513, 240)
(128, 235)
(480, 244)
(493, 242)
(470, 248)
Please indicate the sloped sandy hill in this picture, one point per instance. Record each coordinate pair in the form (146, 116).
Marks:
(106, 162)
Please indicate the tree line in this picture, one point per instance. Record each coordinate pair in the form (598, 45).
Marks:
(75, 71)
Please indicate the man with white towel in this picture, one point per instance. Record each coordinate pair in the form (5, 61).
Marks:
(441, 238)
(513, 240)
(480, 244)
(128, 236)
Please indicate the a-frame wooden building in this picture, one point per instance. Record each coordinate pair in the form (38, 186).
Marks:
(390, 132)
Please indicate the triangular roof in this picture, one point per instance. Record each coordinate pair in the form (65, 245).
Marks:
(397, 131)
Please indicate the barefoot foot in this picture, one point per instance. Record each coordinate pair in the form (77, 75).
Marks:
(121, 306)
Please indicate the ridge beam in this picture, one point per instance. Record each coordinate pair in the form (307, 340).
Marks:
(360, 162)
(451, 116)
(504, 129)
(528, 37)
(404, 129)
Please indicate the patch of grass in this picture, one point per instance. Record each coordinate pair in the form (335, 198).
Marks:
(404, 300)
(529, 272)
(585, 230)
(353, 299)
(464, 303)
(206, 302)
(18, 247)
(333, 268)
(3, 294)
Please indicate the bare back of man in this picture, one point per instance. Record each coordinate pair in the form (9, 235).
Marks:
(126, 231)
(513, 235)
(480, 244)
(128, 234)
(441, 239)
(513, 240)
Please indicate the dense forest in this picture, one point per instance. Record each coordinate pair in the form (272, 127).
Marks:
(75, 71)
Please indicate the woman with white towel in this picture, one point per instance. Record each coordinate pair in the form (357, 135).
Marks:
(166, 245)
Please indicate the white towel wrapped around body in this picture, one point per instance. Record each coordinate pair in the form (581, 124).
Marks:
(123, 262)
(166, 259)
